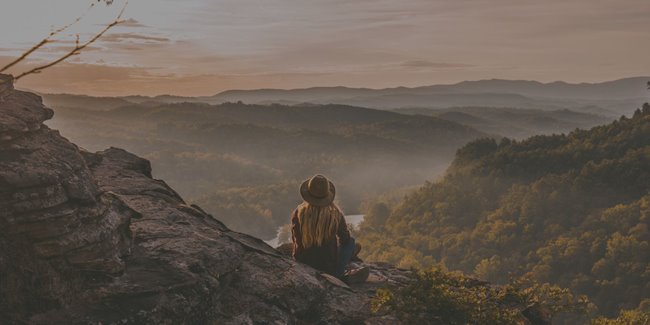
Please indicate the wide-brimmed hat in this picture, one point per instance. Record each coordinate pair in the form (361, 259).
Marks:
(318, 191)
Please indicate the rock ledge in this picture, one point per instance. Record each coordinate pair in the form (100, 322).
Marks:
(92, 238)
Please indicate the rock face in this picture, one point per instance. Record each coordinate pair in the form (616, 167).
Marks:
(91, 237)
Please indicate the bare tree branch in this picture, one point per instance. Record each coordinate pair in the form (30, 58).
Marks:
(77, 49)
(45, 41)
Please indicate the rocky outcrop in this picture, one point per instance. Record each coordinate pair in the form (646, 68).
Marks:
(91, 237)
(57, 229)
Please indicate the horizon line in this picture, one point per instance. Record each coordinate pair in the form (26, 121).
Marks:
(341, 86)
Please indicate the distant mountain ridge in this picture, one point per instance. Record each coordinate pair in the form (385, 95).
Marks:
(513, 122)
(615, 89)
(614, 96)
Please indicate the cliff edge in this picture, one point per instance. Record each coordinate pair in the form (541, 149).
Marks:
(92, 238)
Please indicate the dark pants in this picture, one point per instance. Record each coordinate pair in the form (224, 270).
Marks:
(345, 255)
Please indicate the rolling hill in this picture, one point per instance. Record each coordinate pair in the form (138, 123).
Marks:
(572, 209)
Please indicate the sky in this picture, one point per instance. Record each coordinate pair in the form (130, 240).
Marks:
(202, 47)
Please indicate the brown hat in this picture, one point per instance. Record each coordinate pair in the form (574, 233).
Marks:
(318, 191)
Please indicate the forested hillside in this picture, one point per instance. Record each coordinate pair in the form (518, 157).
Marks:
(573, 210)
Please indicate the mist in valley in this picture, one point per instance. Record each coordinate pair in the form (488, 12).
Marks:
(244, 162)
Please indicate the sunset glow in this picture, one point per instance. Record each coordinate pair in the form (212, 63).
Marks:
(202, 47)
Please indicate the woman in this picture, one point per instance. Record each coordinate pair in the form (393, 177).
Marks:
(319, 232)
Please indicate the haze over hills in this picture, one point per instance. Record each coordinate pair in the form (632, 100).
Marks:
(236, 154)
(515, 123)
(245, 162)
(612, 98)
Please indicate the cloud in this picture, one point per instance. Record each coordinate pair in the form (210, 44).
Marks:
(131, 23)
(109, 80)
(433, 65)
(64, 49)
(121, 37)
(128, 23)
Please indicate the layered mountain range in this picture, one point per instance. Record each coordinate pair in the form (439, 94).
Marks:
(606, 98)
(241, 154)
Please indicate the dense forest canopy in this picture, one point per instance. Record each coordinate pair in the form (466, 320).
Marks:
(573, 210)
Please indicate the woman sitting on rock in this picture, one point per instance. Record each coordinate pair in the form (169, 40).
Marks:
(320, 234)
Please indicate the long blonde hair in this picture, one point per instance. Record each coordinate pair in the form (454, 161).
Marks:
(318, 224)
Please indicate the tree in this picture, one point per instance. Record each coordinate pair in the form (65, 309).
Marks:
(377, 216)
(79, 46)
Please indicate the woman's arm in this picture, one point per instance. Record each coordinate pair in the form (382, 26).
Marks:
(296, 236)
(342, 232)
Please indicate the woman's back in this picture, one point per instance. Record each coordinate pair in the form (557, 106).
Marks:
(317, 232)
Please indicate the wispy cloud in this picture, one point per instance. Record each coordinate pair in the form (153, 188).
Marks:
(131, 22)
(418, 64)
(121, 37)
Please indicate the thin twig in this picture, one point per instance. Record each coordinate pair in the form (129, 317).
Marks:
(45, 40)
(78, 47)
